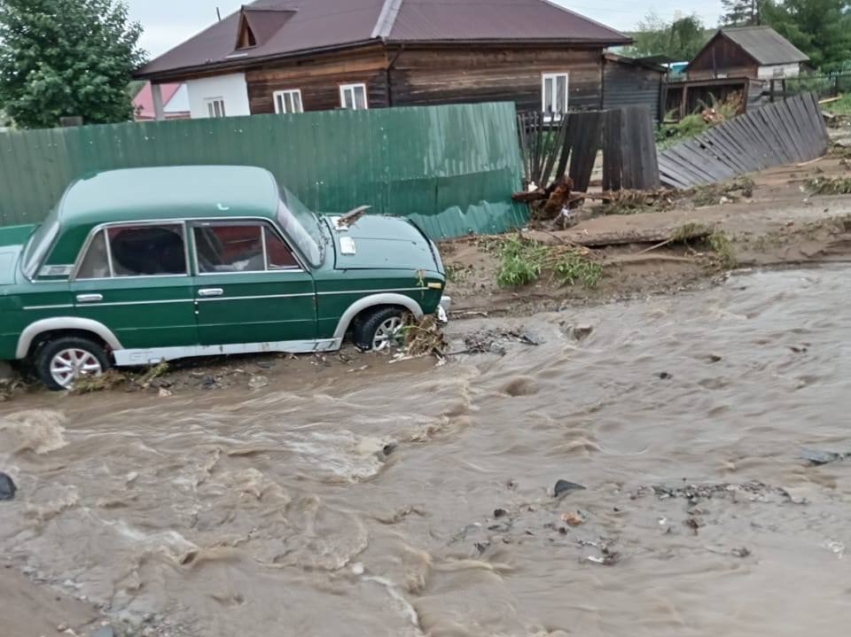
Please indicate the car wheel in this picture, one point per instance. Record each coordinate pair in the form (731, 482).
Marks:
(381, 330)
(60, 362)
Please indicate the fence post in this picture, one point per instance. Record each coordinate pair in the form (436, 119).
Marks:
(835, 86)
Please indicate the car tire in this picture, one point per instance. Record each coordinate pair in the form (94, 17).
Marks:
(377, 330)
(58, 363)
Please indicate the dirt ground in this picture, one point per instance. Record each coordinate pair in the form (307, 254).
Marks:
(780, 224)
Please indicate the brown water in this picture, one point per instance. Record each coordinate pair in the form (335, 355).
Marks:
(288, 511)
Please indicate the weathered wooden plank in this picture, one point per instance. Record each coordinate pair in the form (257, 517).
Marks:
(688, 167)
(798, 118)
(771, 135)
(782, 132)
(648, 156)
(695, 162)
(717, 140)
(736, 146)
(675, 170)
(709, 164)
(612, 151)
(781, 112)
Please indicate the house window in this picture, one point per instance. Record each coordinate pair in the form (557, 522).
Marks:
(216, 107)
(288, 101)
(554, 94)
(353, 96)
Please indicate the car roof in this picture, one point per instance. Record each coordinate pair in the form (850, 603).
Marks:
(173, 192)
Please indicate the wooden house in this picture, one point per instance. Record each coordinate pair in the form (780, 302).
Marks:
(283, 56)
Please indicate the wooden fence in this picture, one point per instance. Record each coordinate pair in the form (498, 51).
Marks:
(785, 132)
(553, 147)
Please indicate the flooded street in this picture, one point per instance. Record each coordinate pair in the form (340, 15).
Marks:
(411, 499)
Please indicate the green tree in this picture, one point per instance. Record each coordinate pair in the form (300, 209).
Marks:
(67, 58)
(679, 40)
(820, 28)
(741, 13)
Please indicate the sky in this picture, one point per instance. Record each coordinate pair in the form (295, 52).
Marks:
(167, 23)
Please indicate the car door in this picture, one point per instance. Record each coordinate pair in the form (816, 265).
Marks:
(250, 289)
(134, 279)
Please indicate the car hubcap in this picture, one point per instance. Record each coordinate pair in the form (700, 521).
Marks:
(387, 334)
(69, 364)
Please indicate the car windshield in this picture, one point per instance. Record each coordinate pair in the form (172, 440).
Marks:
(302, 226)
(39, 244)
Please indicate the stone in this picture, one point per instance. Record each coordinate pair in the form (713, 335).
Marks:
(564, 487)
(7, 487)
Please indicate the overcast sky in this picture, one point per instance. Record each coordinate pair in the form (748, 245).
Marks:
(169, 22)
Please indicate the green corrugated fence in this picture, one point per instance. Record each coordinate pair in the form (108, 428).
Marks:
(452, 169)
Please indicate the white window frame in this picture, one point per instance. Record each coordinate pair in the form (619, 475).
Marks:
(554, 77)
(212, 110)
(351, 88)
(280, 99)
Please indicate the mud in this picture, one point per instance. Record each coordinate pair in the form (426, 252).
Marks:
(412, 499)
(781, 224)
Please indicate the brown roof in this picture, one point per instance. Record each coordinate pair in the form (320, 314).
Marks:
(292, 27)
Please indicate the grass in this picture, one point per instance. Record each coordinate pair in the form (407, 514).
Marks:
(523, 261)
(829, 186)
(842, 106)
(721, 245)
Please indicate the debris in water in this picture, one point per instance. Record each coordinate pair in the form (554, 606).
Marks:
(580, 332)
(500, 513)
(817, 458)
(164, 393)
(573, 519)
(358, 569)
(258, 382)
(564, 487)
(7, 487)
(665, 376)
(741, 552)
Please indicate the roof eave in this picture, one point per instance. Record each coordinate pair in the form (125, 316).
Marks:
(242, 63)
(585, 43)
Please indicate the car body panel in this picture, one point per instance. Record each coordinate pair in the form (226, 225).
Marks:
(381, 242)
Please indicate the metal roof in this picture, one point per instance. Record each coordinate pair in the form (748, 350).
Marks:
(293, 27)
(172, 192)
(765, 45)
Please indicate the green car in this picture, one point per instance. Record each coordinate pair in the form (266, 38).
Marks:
(138, 266)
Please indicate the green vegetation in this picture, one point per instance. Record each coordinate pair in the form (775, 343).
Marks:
(679, 40)
(842, 106)
(524, 260)
(61, 58)
(697, 123)
(830, 186)
(721, 245)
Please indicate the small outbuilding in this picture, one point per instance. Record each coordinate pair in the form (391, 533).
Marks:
(757, 53)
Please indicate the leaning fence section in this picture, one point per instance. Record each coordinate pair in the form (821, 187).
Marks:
(781, 133)
(620, 141)
(451, 169)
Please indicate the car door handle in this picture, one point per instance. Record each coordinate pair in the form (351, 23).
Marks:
(89, 298)
(207, 292)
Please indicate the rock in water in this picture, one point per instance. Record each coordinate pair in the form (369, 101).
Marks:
(7, 487)
(563, 487)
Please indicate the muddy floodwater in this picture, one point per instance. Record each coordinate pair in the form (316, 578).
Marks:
(410, 499)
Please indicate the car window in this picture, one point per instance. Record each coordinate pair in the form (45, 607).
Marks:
(278, 254)
(143, 250)
(95, 265)
(233, 247)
